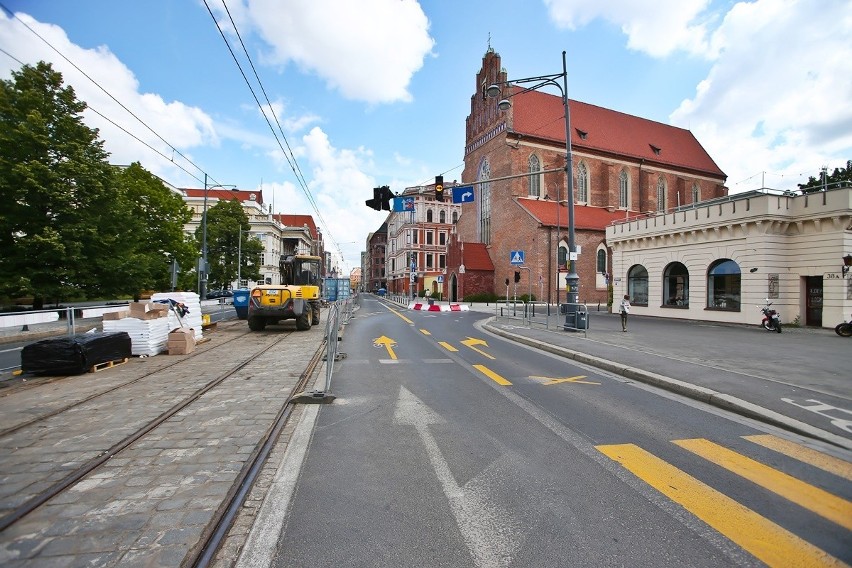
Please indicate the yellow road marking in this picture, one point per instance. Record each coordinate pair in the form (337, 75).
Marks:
(396, 313)
(425, 332)
(492, 375)
(835, 509)
(556, 381)
(817, 459)
(447, 346)
(757, 535)
(388, 343)
(471, 341)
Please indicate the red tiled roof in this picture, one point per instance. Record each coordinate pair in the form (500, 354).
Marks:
(225, 194)
(542, 115)
(475, 257)
(585, 217)
(298, 221)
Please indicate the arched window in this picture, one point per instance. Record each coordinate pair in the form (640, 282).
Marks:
(696, 193)
(723, 285)
(676, 285)
(601, 261)
(582, 183)
(442, 216)
(484, 203)
(623, 190)
(455, 217)
(661, 194)
(428, 215)
(562, 257)
(535, 177)
(637, 285)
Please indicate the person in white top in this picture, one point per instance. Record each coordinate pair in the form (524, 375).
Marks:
(624, 309)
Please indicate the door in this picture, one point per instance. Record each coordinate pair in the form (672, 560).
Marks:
(813, 311)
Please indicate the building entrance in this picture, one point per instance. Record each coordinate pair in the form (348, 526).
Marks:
(813, 296)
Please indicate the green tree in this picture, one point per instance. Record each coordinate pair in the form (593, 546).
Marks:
(840, 177)
(226, 223)
(156, 219)
(55, 186)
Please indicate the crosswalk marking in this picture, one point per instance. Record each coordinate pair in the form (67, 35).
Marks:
(817, 459)
(814, 499)
(759, 536)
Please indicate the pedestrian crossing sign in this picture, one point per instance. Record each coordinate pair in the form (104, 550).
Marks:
(516, 257)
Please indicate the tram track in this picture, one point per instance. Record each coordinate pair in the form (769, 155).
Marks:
(269, 342)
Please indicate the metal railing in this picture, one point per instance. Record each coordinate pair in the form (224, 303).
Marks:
(566, 317)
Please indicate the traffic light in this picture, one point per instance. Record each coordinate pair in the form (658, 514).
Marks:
(376, 201)
(439, 188)
(507, 282)
(517, 276)
(387, 195)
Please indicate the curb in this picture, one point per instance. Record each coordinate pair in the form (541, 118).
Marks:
(701, 394)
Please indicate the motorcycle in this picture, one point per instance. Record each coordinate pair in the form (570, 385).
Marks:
(844, 329)
(771, 318)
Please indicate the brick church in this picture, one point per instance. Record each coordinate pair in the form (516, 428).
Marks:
(623, 166)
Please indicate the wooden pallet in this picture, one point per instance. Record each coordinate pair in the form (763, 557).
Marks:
(107, 365)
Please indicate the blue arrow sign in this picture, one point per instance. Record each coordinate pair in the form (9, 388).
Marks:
(516, 257)
(463, 194)
(402, 204)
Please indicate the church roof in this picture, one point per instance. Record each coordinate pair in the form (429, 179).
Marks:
(611, 132)
(585, 217)
(475, 257)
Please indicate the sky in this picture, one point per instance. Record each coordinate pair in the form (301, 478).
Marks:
(336, 97)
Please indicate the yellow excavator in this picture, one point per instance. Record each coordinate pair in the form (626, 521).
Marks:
(296, 297)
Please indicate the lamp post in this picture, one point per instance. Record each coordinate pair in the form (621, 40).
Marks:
(203, 269)
(572, 279)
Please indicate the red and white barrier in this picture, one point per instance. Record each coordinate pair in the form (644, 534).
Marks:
(438, 307)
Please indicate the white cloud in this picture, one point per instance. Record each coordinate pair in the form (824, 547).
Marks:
(657, 28)
(173, 121)
(367, 50)
(778, 98)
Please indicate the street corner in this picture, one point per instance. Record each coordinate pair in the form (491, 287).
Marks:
(417, 306)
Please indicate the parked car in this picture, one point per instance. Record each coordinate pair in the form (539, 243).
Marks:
(213, 294)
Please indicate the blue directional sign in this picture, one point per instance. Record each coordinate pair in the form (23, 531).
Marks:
(516, 257)
(463, 194)
(402, 204)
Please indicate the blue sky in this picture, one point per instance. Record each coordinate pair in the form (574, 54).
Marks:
(375, 92)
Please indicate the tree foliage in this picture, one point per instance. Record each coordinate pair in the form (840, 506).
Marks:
(228, 242)
(840, 177)
(72, 226)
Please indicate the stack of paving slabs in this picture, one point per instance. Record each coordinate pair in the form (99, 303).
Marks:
(192, 305)
(74, 355)
(181, 341)
(147, 326)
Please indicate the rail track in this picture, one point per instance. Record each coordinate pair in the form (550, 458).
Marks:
(80, 462)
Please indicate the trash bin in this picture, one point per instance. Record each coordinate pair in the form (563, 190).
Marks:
(431, 301)
(582, 320)
(241, 300)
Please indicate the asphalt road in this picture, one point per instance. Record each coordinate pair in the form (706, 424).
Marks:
(449, 447)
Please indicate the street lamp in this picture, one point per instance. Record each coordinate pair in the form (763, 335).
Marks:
(572, 279)
(204, 269)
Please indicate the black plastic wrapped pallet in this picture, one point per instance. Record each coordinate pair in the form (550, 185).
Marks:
(74, 355)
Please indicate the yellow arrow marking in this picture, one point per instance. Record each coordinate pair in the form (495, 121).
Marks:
(471, 341)
(388, 343)
(425, 332)
(492, 375)
(447, 346)
(556, 381)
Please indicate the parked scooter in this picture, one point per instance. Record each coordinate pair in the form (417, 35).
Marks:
(771, 318)
(844, 329)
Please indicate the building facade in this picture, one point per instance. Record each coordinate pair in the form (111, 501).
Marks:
(717, 260)
(516, 160)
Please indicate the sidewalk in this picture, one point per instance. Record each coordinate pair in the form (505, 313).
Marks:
(799, 380)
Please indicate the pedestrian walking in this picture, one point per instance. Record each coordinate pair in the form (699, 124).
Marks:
(624, 309)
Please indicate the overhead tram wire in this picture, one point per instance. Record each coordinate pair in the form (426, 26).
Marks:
(131, 113)
(291, 159)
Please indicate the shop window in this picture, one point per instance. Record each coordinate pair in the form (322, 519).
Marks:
(723, 285)
(637, 285)
(676, 286)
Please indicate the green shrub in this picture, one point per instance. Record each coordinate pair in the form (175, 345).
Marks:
(482, 297)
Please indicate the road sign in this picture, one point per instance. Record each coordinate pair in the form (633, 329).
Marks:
(463, 194)
(516, 257)
(440, 279)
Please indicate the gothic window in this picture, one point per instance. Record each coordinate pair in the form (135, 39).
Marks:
(535, 177)
(696, 193)
(601, 261)
(661, 194)
(485, 203)
(582, 183)
(623, 190)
